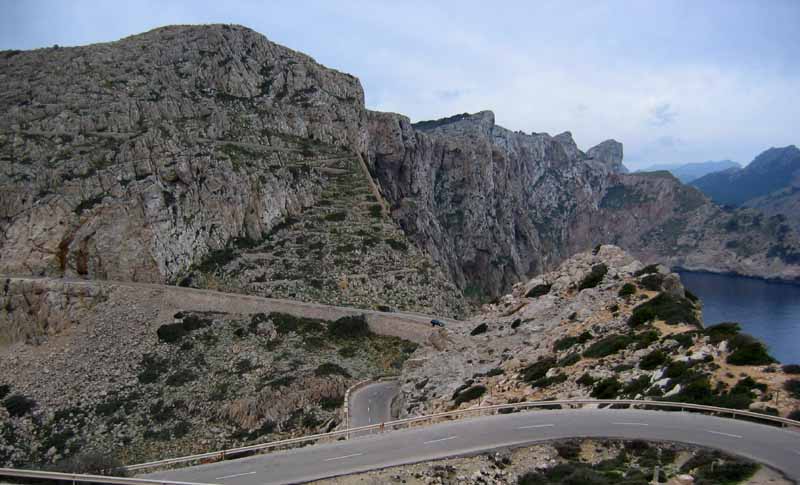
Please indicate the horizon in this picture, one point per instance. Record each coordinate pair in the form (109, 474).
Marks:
(675, 82)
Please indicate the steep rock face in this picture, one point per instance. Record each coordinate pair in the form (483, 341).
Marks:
(494, 206)
(129, 160)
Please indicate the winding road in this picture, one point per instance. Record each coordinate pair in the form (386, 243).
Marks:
(773, 446)
(372, 404)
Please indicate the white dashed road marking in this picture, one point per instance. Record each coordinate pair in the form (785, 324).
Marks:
(723, 434)
(537, 426)
(631, 424)
(237, 475)
(345, 456)
(440, 439)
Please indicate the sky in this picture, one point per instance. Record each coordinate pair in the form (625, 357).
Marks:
(674, 81)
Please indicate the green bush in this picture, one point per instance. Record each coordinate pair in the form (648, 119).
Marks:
(586, 380)
(627, 289)
(396, 245)
(652, 360)
(726, 473)
(685, 339)
(469, 394)
(570, 450)
(538, 290)
(350, 327)
(285, 323)
(566, 342)
(649, 269)
(746, 350)
(329, 369)
(637, 386)
(569, 360)
(18, 405)
(173, 332)
(547, 381)
(336, 216)
(89, 463)
(794, 415)
(607, 346)
(180, 378)
(606, 389)
(653, 282)
(792, 386)
(594, 278)
(722, 331)
(482, 328)
(153, 367)
(666, 307)
(676, 369)
(4, 390)
(538, 369)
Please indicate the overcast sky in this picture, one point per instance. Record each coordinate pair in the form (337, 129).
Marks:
(675, 81)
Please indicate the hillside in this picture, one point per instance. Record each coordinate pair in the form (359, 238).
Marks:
(688, 172)
(771, 171)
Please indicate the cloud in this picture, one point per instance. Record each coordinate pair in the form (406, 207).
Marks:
(662, 115)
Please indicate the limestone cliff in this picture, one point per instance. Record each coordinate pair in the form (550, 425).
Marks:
(494, 205)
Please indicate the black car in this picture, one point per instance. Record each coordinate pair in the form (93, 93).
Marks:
(437, 323)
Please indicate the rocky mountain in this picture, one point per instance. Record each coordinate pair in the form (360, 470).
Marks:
(691, 171)
(771, 171)
(493, 206)
(208, 156)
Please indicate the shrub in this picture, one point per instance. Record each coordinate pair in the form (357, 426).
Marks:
(652, 360)
(153, 367)
(482, 328)
(644, 339)
(607, 346)
(376, 211)
(726, 473)
(653, 282)
(666, 307)
(748, 351)
(637, 386)
(606, 389)
(329, 368)
(685, 339)
(649, 269)
(794, 415)
(788, 369)
(285, 323)
(180, 378)
(691, 296)
(516, 323)
(594, 278)
(586, 380)
(569, 360)
(350, 327)
(566, 342)
(792, 386)
(18, 405)
(538, 369)
(546, 381)
(627, 289)
(538, 290)
(4, 390)
(336, 216)
(722, 331)
(173, 332)
(676, 369)
(469, 394)
(569, 450)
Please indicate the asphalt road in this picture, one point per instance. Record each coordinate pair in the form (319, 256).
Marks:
(372, 403)
(776, 447)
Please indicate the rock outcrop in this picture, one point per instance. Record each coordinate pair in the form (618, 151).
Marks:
(132, 159)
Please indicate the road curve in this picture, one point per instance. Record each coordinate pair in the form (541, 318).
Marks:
(372, 403)
(776, 447)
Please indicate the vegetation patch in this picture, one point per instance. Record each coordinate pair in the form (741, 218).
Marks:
(627, 289)
(18, 405)
(350, 327)
(469, 394)
(654, 359)
(594, 278)
(672, 310)
(331, 369)
(482, 328)
(538, 369)
(608, 346)
(285, 323)
(606, 389)
(569, 341)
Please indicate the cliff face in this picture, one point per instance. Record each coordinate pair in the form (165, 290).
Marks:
(132, 159)
(494, 206)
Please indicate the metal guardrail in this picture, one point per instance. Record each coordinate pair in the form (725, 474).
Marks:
(221, 455)
(73, 477)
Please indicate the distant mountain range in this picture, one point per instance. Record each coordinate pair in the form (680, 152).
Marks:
(688, 172)
(776, 169)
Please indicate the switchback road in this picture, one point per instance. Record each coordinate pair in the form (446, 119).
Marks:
(776, 447)
(372, 403)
